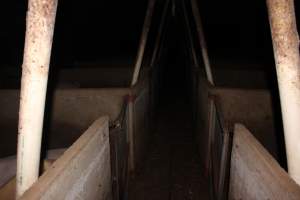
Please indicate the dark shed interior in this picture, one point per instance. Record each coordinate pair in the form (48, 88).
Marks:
(94, 52)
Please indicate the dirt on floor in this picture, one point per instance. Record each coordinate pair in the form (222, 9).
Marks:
(171, 170)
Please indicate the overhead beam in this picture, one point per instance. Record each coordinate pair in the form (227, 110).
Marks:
(286, 52)
(159, 34)
(190, 35)
(143, 42)
(38, 43)
(202, 41)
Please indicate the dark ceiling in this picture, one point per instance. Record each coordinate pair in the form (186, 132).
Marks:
(92, 30)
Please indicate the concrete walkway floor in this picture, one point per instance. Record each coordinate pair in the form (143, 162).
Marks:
(171, 170)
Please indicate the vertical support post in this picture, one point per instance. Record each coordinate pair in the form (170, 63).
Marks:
(38, 43)
(212, 115)
(286, 52)
(143, 41)
(130, 134)
(202, 41)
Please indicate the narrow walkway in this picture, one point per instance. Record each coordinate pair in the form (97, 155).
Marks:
(171, 170)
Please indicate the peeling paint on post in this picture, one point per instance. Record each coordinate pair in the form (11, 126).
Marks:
(38, 43)
(286, 52)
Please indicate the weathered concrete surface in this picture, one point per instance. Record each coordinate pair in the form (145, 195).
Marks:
(239, 78)
(254, 172)
(68, 110)
(73, 110)
(252, 108)
(82, 172)
(240, 75)
(8, 172)
(95, 77)
(8, 164)
(85, 76)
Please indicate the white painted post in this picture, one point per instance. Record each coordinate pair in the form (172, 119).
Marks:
(38, 43)
(202, 41)
(286, 52)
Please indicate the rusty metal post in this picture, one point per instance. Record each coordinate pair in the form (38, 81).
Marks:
(286, 52)
(143, 42)
(38, 43)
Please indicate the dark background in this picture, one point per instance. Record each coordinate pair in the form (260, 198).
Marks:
(93, 30)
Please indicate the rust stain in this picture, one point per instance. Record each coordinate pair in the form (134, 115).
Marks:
(44, 7)
(285, 41)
